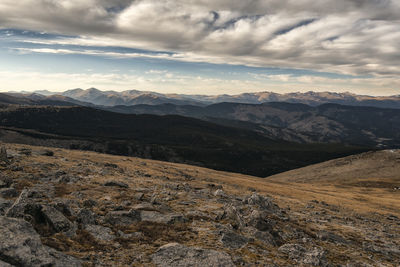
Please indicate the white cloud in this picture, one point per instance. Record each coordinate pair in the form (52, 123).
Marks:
(358, 37)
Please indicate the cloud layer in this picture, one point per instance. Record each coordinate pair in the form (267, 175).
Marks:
(357, 37)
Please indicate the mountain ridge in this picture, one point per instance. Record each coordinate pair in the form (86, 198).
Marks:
(112, 98)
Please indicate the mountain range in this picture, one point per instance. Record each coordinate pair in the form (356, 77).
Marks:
(135, 97)
(293, 122)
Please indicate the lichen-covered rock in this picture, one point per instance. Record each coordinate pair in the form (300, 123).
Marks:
(57, 221)
(100, 232)
(178, 255)
(8, 192)
(86, 216)
(20, 245)
(4, 205)
(298, 253)
(117, 184)
(122, 217)
(262, 202)
(233, 240)
(259, 220)
(158, 217)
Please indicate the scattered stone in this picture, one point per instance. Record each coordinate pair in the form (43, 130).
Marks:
(100, 232)
(117, 184)
(20, 245)
(25, 151)
(86, 216)
(3, 155)
(5, 182)
(4, 205)
(145, 206)
(64, 208)
(259, 220)
(111, 165)
(157, 217)
(139, 196)
(8, 192)
(122, 217)
(232, 240)
(264, 203)
(231, 212)
(177, 255)
(18, 208)
(265, 237)
(220, 193)
(47, 153)
(298, 253)
(89, 203)
(56, 220)
(331, 237)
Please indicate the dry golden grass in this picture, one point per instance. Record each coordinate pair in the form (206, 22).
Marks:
(350, 194)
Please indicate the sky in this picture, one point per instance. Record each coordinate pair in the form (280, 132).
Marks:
(201, 46)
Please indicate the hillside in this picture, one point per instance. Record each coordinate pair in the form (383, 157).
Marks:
(37, 100)
(328, 123)
(169, 138)
(73, 208)
(379, 168)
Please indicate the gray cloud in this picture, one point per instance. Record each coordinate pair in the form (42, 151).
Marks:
(346, 36)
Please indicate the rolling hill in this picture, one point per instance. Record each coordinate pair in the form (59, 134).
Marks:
(328, 123)
(169, 138)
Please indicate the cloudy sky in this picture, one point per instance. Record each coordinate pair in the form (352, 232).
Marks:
(201, 46)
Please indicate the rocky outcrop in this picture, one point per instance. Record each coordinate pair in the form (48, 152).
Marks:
(178, 255)
(20, 245)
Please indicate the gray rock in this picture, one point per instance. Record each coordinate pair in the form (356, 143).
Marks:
(264, 203)
(86, 216)
(122, 217)
(57, 221)
(232, 240)
(5, 182)
(264, 237)
(259, 220)
(8, 192)
(20, 245)
(158, 217)
(18, 208)
(63, 206)
(139, 196)
(5, 264)
(3, 154)
(331, 237)
(298, 253)
(46, 152)
(117, 184)
(89, 203)
(177, 255)
(220, 193)
(100, 232)
(232, 212)
(4, 205)
(145, 206)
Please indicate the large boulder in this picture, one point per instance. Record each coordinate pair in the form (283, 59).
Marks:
(178, 255)
(20, 245)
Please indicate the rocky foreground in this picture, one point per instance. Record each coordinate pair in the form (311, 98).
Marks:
(71, 208)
